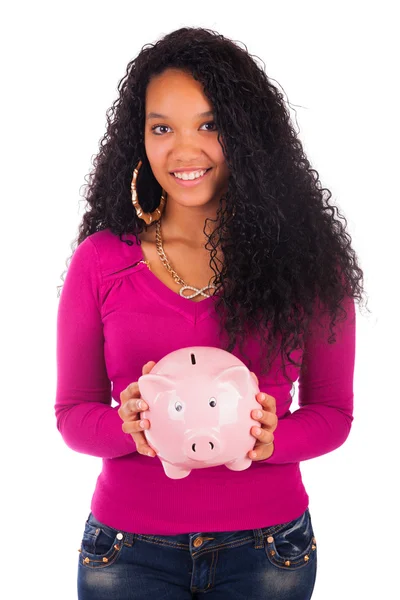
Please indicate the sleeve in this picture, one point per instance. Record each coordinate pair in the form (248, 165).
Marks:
(85, 418)
(323, 420)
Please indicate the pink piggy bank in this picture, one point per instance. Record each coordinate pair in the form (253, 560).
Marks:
(200, 400)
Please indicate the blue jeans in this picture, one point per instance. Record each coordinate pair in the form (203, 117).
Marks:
(273, 563)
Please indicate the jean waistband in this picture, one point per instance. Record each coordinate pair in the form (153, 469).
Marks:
(200, 540)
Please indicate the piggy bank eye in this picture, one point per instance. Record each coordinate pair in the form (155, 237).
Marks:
(212, 402)
(178, 406)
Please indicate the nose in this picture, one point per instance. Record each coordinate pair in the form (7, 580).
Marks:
(202, 447)
(187, 148)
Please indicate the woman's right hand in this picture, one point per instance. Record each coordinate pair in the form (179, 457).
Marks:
(129, 411)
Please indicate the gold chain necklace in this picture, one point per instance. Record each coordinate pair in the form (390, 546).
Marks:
(175, 276)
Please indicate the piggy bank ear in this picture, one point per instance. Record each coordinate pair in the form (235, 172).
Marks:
(151, 385)
(238, 376)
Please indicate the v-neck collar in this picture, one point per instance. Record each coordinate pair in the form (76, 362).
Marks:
(194, 311)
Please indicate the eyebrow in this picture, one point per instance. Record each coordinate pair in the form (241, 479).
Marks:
(154, 115)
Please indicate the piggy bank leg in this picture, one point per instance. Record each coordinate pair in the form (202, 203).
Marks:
(173, 471)
(239, 464)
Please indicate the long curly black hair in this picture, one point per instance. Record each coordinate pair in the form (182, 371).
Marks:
(283, 245)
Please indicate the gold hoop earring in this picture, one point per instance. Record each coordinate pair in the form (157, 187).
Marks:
(148, 218)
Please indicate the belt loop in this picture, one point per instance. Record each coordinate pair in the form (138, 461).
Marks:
(128, 539)
(259, 538)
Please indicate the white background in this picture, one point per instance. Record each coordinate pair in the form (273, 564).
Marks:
(61, 62)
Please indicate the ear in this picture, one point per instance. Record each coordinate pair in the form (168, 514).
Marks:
(152, 386)
(255, 377)
(237, 376)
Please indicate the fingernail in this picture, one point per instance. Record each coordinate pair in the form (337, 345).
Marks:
(142, 424)
(258, 414)
(140, 404)
(257, 431)
(262, 396)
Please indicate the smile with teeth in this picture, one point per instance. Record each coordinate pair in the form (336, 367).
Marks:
(190, 175)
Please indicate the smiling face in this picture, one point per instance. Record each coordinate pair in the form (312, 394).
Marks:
(185, 138)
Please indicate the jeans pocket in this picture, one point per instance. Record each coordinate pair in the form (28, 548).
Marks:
(101, 545)
(293, 545)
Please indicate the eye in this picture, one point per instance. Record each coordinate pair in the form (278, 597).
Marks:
(157, 126)
(178, 406)
(211, 123)
(212, 402)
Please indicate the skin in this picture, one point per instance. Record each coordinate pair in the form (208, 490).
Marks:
(183, 139)
(186, 140)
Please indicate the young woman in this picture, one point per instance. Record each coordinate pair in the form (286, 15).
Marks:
(206, 226)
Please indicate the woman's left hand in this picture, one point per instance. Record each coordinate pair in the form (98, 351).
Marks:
(268, 423)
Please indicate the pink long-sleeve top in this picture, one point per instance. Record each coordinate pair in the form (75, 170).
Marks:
(115, 315)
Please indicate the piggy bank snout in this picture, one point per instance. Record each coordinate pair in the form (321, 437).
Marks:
(202, 447)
